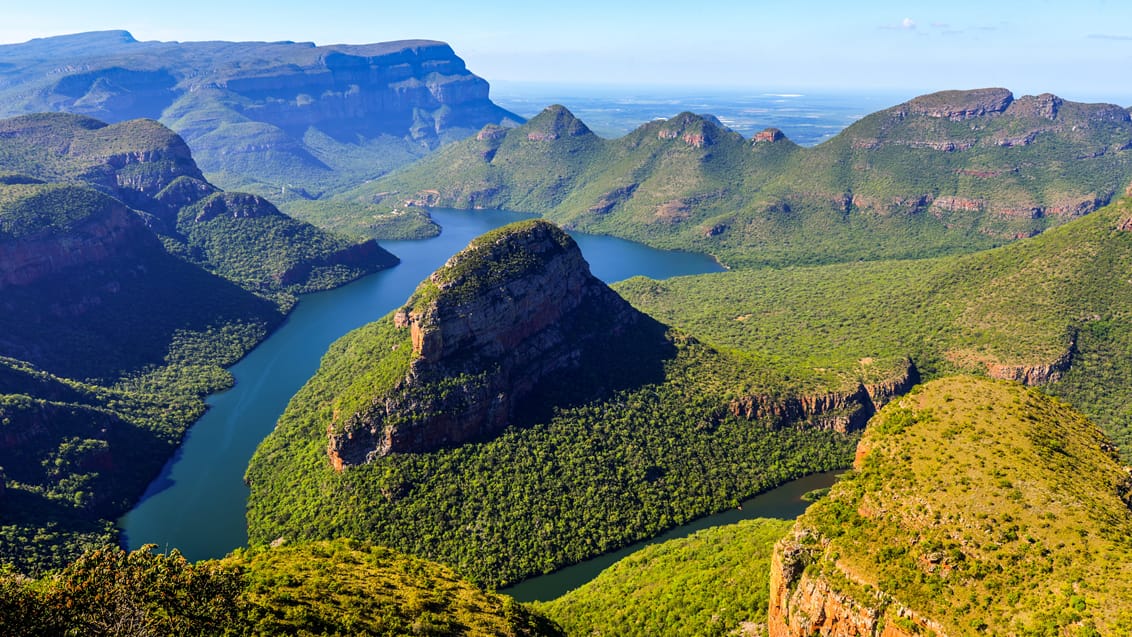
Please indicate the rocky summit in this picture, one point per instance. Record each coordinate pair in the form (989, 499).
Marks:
(515, 310)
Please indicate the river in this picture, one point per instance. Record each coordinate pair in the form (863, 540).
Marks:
(784, 503)
(197, 503)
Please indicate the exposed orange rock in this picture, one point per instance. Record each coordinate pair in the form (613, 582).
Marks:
(840, 411)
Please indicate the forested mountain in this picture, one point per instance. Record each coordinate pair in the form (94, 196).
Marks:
(516, 398)
(324, 588)
(955, 171)
(127, 283)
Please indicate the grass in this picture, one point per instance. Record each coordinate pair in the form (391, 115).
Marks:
(984, 506)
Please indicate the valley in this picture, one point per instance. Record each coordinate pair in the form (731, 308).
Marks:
(932, 302)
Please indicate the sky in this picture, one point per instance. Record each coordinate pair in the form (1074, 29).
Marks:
(1079, 50)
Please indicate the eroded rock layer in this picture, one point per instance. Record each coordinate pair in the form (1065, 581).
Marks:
(516, 309)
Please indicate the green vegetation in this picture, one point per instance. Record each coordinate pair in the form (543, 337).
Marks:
(108, 342)
(984, 506)
(575, 477)
(714, 582)
(1011, 310)
(247, 240)
(326, 588)
(335, 215)
(900, 183)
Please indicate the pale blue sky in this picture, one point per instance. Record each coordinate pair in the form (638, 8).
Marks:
(1080, 50)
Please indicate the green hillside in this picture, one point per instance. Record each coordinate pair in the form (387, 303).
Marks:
(650, 429)
(714, 582)
(127, 284)
(950, 172)
(1046, 309)
(149, 168)
(977, 507)
(326, 588)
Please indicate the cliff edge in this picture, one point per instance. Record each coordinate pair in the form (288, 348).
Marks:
(976, 507)
(512, 316)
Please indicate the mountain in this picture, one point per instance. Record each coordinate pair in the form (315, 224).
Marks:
(149, 168)
(949, 172)
(127, 283)
(341, 587)
(515, 311)
(280, 119)
(516, 416)
(975, 507)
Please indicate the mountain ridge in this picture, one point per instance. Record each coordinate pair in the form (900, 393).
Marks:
(283, 119)
(947, 172)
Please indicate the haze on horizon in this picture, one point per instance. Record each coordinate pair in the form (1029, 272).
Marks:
(1077, 50)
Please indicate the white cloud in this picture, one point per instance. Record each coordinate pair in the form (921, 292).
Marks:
(907, 23)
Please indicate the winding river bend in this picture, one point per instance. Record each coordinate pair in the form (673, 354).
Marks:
(197, 503)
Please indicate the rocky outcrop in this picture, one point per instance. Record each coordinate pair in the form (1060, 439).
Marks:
(697, 131)
(802, 605)
(768, 135)
(840, 411)
(958, 106)
(612, 198)
(514, 310)
(1039, 374)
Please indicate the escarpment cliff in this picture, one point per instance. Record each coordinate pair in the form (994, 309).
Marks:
(283, 119)
(109, 230)
(516, 310)
(975, 506)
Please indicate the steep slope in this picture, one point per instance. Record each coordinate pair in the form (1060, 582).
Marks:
(127, 284)
(516, 310)
(517, 416)
(325, 588)
(948, 172)
(714, 582)
(281, 119)
(149, 168)
(1055, 310)
(976, 507)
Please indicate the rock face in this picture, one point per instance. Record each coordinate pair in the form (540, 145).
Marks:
(840, 411)
(515, 310)
(961, 105)
(110, 231)
(247, 108)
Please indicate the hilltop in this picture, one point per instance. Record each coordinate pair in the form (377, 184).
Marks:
(976, 507)
(955, 171)
(286, 120)
(127, 283)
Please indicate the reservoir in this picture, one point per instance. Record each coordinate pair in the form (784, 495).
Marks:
(197, 503)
